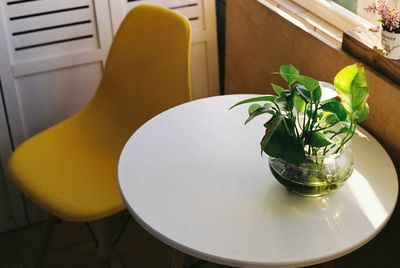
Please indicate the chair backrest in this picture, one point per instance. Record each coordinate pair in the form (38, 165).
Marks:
(147, 72)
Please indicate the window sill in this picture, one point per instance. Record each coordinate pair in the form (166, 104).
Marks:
(358, 43)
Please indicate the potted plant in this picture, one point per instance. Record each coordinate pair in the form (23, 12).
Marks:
(390, 21)
(307, 136)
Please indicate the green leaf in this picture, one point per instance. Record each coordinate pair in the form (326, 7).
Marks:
(257, 112)
(270, 98)
(312, 85)
(299, 104)
(317, 139)
(352, 89)
(266, 124)
(254, 107)
(333, 106)
(277, 89)
(330, 118)
(310, 112)
(271, 126)
(281, 144)
(303, 91)
(281, 100)
(362, 115)
(288, 96)
(288, 73)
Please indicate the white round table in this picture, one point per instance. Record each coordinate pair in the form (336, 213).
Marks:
(194, 178)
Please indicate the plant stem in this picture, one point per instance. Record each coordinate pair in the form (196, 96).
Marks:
(314, 115)
(319, 129)
(349, 135)
(277, 106)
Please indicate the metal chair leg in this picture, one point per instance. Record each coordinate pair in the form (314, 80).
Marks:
(106, 244)
(92, 234)
(103, 235)
(121, 231)
(45, 241)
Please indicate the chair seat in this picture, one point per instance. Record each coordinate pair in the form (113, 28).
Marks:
(62, 175)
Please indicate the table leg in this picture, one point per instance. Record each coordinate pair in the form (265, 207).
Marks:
(329, 264)
(178, 259)
(181, 260)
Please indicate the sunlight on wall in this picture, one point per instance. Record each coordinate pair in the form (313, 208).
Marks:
(292, 20)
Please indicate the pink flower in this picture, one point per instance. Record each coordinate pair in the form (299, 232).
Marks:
(390, 18)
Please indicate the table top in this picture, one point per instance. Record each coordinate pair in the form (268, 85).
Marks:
(193, 177)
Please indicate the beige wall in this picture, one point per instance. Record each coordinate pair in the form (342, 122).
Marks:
(258, 41)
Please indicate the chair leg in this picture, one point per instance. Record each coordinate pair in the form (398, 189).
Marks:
(104, 238)
(44, 244)
(103, 233)
(92, 234)
(122, 230)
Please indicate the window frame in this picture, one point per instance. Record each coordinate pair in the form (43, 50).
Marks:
(335, 14)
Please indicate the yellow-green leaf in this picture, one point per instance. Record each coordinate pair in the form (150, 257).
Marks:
(351, 86)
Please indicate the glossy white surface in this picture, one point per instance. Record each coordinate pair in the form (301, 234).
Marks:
(194, 178)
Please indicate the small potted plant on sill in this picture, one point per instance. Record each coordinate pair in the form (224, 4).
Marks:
(307, 137)
(390, 33)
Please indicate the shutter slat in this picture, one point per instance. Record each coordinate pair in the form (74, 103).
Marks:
(55, 49)
(50, 20)
(35, 7)
(49, 36)
(44, 28)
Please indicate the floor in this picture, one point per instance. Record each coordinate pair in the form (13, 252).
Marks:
(72, 246)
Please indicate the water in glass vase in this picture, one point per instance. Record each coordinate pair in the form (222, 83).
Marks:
(321, 176)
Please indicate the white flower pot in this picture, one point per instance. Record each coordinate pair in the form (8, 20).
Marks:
(391, 44)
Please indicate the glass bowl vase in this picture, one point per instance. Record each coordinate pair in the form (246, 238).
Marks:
(320, 176)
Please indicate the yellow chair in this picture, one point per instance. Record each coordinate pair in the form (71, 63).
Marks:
(70, 169)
